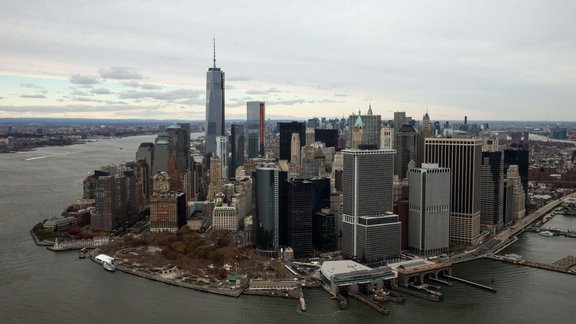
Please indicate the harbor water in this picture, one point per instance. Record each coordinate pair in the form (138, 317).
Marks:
(40, 286)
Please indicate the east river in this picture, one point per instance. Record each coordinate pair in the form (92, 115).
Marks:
(40, 286)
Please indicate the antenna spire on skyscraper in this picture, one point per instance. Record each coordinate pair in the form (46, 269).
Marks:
(214, 39)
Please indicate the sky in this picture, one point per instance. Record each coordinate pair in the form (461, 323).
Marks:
(488, 60)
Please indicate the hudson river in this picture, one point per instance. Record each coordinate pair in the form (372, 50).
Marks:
(40, 286)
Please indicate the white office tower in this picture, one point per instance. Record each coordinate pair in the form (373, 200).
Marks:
(429, 210)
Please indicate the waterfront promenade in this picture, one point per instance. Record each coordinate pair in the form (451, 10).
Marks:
(506, 237)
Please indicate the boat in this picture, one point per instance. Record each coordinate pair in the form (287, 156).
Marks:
(109, 266)
(106, 261)
(546, 233)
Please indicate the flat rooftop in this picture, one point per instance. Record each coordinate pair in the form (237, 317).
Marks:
(331, 268)
(417, 265)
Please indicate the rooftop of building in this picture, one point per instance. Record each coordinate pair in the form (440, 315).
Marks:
(331, 268)
(407, 128)
(417, 265)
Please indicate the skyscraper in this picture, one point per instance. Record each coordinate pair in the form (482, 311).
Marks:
(515, 206)
(386, 137)
(464, 157)
(295, 150)
(327, 136)
(368, 231)
(161, 153)
(426, 131)
(492, 195)
(179, 138)
(286, 130)
(399, 120)
(406, 149)
(518, 155)
(429, 210)
(222, 152)
(299, 221)
(269, 209)
(371, 126)
(214, 106)
(167, 207)
(256, 114)
(237, 149)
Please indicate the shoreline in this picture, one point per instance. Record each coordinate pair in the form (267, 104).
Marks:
(235, 293)
(37, 240)
(120, 267)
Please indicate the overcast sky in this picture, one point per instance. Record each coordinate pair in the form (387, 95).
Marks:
(489, 60)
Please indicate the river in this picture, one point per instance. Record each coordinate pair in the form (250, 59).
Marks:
(40, 286)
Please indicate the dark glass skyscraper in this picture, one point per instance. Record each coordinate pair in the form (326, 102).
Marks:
(269, 208)
(519, 156)
(214, 106)
(327, 136)
(492, 195)
(299, 222)
(406, 149)
(286, 130)
(237, 149)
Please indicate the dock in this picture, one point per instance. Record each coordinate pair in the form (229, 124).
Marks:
(372, 303)
(302, 304)
(446, 283)
(558, 266)
(420, 294)
(471, 283)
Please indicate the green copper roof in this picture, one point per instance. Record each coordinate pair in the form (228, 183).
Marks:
(359, 123)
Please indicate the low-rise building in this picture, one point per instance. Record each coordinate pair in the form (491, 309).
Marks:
(350, 274)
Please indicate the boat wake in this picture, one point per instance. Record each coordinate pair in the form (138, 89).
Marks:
(48, 156)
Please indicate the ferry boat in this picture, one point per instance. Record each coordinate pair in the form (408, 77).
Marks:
(106, 261)
(109, 266)
(546, 233)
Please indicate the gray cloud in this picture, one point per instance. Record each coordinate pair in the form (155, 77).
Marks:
(340, 95)
(148, 86)
(289, 102)
(465, 58)
(84, 79)
(75, 108)
(101, 91)
(193, 102)
(79, 93)
(263, 92)
(239, 78)
(94, 100)
(326, 101)
(235, 103)
(31, 86)
(159, 95)
(37, 96)
(120, 73)
(145, 86)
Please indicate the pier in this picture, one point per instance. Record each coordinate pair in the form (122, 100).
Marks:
(416, 293)
(372, 303)
(538, 265)
(447, 283)
(471, 283)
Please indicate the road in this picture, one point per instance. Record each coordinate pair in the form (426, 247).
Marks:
(503, 238)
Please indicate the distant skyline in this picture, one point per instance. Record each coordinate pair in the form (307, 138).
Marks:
(488, 60)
